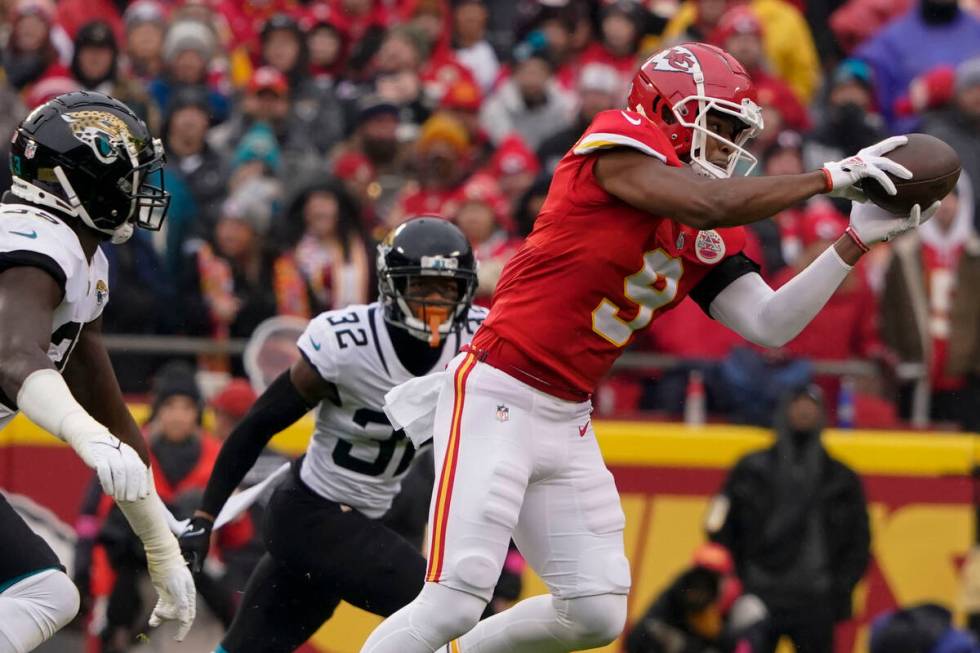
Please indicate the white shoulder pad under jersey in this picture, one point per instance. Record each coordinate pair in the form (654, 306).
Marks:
(355, 457)
(35, 238)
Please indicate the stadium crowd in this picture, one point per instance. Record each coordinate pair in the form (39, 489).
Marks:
(299, 133)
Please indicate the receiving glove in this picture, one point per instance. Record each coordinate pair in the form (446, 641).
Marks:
(175, 586)
(122, 474)
(872, 224)
(869, 163)
(195, 542)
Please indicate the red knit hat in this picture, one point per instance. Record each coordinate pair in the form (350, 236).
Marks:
(236, 398)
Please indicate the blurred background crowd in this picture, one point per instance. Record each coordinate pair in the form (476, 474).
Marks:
(299, 133)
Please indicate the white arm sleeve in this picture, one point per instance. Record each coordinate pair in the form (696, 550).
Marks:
(772, 318)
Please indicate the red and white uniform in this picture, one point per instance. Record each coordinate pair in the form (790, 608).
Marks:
(515, 452)
(595, 270)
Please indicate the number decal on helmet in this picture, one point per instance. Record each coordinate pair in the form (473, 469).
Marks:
(652, 287)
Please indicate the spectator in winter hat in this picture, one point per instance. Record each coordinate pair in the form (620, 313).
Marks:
(470, 42)
(442, 162)
(740, 33)
(622, 24)
(326, 43)
(514, 166)
(95, 66)
(598, 90)
(360, 179)
(146, 25)
(230, 406)
(284, 48)
(462, 101)
(257, 155)
(229, 289)
(849, 120)
(30, 51)
(376, 133)
(481, 212)
(188, 49)
(192, 162)
(529, 103)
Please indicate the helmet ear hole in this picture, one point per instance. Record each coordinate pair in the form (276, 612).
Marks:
(667, 115)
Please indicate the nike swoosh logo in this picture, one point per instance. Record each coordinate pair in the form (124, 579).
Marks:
(194, 533)
(31, 234)
(115, 446)
(632, 121)
(582, 430)
(316, 345)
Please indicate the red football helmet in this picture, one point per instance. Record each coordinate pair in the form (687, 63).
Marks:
(676, 88)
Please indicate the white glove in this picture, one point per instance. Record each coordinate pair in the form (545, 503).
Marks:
(123, 475)
(175, 587)
(867, 163)
(872, 224)
(169, 574)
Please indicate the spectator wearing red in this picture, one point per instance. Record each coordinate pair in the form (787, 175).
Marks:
(30, 52)
(71, 15)
(360, 179)
(530, 102)
(470, 42)
(515, 166)
(481, 212)
(230, 406)
(621, 27)
(845, 327)
(462, 101)
(442, 162)
(326, 42)
(855, 21)
(921, 293)
(364, 18)
(740, 32)
(146, 24)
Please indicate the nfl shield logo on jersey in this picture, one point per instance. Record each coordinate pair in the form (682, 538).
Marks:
(709, 246)
(503, 413)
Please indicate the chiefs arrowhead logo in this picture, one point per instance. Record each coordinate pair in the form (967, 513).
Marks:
(677, 59)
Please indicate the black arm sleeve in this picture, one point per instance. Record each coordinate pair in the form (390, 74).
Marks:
(278, 407)
(718, 279)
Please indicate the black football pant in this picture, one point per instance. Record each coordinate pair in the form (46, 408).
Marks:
(22, 551)
(319, 554)
(811, 630)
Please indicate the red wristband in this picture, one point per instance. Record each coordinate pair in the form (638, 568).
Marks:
(828, 179)
(857, 239)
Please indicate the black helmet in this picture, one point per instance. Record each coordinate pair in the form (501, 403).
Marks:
(89, 156)
(425, 246)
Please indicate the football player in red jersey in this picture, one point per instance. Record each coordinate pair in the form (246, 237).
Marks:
(641, 212)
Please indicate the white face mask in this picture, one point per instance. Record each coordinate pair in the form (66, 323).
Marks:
(747, 112)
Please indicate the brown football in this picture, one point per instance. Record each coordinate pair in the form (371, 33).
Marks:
(935, 167)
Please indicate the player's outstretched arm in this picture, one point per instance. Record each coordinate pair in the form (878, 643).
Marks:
(774, 317)
(28, 298)
(290, 396)
(92, 380)
(707, 203)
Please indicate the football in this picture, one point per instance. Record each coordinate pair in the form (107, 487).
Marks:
(935, 167)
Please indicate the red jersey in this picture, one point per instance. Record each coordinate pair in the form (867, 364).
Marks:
(595, 271)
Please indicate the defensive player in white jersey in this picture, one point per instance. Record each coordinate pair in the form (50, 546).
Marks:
(83, 166)
(323, 532)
